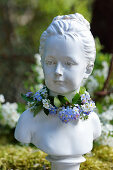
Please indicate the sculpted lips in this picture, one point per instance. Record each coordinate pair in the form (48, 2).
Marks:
(59, 81)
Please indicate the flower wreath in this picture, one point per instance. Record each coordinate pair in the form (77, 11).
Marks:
(80, 107)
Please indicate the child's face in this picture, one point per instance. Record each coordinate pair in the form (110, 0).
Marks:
(64, 64)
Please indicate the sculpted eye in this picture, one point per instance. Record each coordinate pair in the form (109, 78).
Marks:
(50, 62)
(70, 63)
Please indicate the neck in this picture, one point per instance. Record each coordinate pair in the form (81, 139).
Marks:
(68, 95)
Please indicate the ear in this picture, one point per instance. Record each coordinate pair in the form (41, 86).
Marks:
(88, 71)
(42, 62)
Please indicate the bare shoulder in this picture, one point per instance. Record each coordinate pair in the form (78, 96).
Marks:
(24, 127)
(27, 115)
(94, 116)
(96, 124)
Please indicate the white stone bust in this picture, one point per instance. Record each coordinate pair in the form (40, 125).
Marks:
(67, 50)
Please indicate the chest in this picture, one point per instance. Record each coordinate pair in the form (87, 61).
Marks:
(50, 134)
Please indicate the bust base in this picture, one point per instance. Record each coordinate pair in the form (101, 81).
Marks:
(65, 162)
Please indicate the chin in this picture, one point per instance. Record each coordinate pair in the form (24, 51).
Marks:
(60, 90)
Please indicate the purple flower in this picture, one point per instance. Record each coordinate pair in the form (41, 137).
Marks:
(52, 110)
(28, 94)
(61, 115)
(37, 96)
(37, 93)
(77, 115)
(85, 98)
(79, 109)
(87, 95)
(86, 113)
(43, 92)
(67, 114)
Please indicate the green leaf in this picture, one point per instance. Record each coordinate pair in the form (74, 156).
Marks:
(82, 90)
(57, 102)
(46, 111)
(85, 117)
(99, 107)
(51, 98)
(79, 101)
(111, 122)
(76, 98)
(39, 103)
(63, 99)
(28, 99)
(36, 109)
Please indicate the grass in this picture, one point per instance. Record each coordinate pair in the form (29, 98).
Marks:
(15, 157)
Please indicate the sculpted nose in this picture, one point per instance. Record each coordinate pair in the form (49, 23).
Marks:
(58, 70)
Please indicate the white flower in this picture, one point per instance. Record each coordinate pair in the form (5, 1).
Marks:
(92, 105)
(103, 72)
(107, 128)
(43, 91)
(88, 107)
(107, 115)
(39, 86)
(111, 95)
(76, 105)
(50, 106)
(105, 69)
(92, 84)
(87, 93)
(2, 99)
(85, 107)
(75, 109)
(38, 59)
(105, 140)
(39, 70)
(111, 108)
(29, 104)
(108, 141)
(83, 96)
(9, 114)
(46, 103)
(107, 99)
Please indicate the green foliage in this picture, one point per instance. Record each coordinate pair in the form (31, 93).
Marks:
(76, 98)
(21, 107)
(100, 56)
(63, 99)
(102, 63)
(57, 102)
(99, 106)
(82, 90)
(46, 111)
(26, 157)
(36, 109)
(61, 7)
(55, 6)
(27, 20)
(27, 99)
